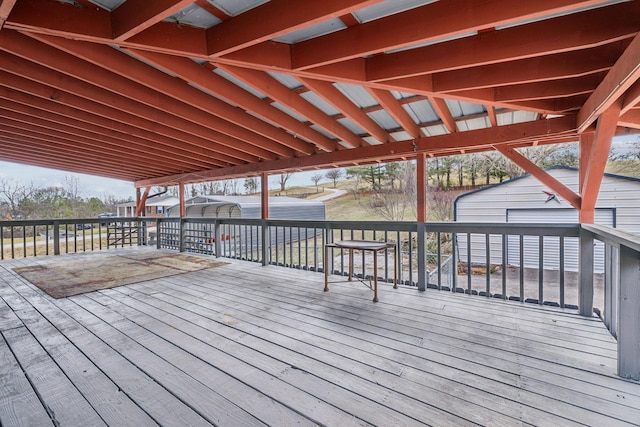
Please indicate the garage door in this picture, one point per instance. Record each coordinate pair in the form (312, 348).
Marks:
(551, 250)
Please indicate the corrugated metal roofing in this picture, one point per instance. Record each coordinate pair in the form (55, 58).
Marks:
(194, 16)
(462, 109)
(285, 79)
(289, 111)
(239, 83)
(387, 8)
(317, 30)
(384, 119)
(236, 7)
(421, 111)
(349, 124)
(105, 4)
(320, 103)
(357, 94)
(473, 124)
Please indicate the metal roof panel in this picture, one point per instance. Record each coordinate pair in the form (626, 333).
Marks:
(236, 7)
(317, 30)
(320, 103)
(386, 8)
(357, 94)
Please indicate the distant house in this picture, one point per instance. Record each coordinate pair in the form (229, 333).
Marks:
(155, 206)
(527, 200)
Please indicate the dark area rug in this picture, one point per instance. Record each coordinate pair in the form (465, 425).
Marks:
(80, 275)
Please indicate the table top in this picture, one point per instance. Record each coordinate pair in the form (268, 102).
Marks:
(372, 245)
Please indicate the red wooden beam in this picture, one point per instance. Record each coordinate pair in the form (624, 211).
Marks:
(479, 139)
(493, 118)
(598, 156)
(566, 33)
(143, 201)
(408, 28)
(134, 16)
(630, 119)
(214, 10)
(267, 84)
(621, 77)
(631, 98)
(199, 106)
(133, 138)
(333, 96)
(549, 89)
(541, 175)
(442, 110)
(206, 79)
(5, 9)
(273, 19)
(128, 113)
(394, 108)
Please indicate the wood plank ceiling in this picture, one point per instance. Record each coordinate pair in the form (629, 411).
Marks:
(166, 91)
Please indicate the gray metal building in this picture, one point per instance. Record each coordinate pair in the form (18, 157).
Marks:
(527, 200)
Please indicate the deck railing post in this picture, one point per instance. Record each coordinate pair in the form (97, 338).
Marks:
(56, 238)
(217, 237)
(629, 314)
(422, 256)
(585, 275)
(265, 242)
(181, 244)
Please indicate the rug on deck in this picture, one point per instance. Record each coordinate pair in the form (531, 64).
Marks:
(80, 275)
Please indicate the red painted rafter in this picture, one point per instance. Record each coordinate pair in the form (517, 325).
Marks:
(394, 108)
(479, 139)
(108, 136)
(5, 10)
(333, 96)
(408, 28)
(541, 175)
(631, 98)
(621, 77)
(567, 33)
(195, 105)
(206, 79)
(124, 111)
(630, 119)
(251, 27)
(491, 113)
(442, 110)
(134, 16)
(265, 83)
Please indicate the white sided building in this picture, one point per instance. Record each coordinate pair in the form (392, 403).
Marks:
(527, 200)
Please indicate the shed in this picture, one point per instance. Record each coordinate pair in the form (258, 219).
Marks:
(527, 200)
(250, 207)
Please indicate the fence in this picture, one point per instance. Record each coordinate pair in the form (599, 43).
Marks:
(442, 256)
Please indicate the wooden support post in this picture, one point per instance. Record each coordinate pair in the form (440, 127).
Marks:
(585, 275)
(183, 209)
(629, 314)
(421, 192)
(140, 205)
(264, 209)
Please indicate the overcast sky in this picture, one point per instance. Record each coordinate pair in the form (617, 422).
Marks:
(93, 186)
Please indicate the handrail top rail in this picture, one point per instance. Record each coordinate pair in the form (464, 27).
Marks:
(613, 236)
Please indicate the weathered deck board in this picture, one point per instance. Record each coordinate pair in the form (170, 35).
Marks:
(251, 345)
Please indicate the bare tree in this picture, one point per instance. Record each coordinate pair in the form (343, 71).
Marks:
(316, 179)
(334, 175)
(284, 178)
(13, 194)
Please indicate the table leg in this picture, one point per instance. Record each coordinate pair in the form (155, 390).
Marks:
(375, 276)
(326, 268)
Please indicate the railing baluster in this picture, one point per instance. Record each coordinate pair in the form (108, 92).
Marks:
(487, 238)
(504, 266)
(540, 270)
(561, 278)
(469, 272)
(521, 254)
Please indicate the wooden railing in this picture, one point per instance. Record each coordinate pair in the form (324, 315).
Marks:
(517, 262)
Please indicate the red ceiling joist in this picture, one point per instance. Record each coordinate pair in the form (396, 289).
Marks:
(132, 77)
(127, 80)
(621, 77)
(206, 79)
(264, 82)
(252, 28)
(5, 10)
(134, 16)
(333, 96)
(574, 32)
(408, 28)
(482, 138)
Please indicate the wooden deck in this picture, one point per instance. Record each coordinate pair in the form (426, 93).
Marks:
(244, 344)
